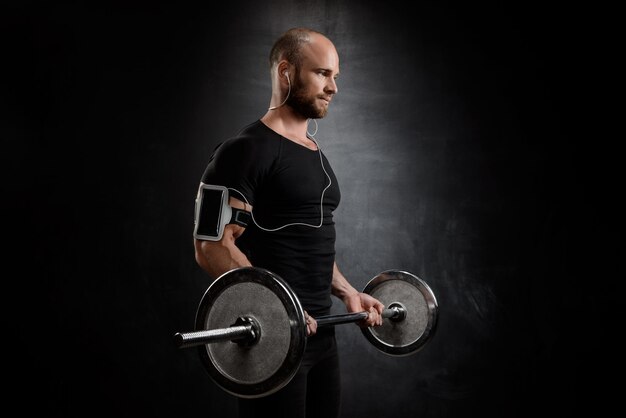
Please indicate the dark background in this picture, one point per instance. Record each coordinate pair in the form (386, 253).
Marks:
(455, 140)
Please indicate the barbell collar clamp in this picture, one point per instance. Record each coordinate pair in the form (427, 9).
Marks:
(398, 312)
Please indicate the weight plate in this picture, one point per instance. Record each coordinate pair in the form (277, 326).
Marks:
(265, 367)
(405, 337)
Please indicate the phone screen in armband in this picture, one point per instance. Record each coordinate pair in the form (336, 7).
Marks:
(212, 212)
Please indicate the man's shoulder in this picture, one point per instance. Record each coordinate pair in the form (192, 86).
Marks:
(255, 135)
(254, 141)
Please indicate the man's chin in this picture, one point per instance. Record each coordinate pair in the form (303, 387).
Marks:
(311, 112)
(323, 112)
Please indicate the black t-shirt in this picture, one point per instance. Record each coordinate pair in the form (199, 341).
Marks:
(284, 182)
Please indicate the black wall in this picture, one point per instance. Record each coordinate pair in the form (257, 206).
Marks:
(451, 137)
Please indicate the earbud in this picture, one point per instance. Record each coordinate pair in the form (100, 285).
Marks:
(286, 74)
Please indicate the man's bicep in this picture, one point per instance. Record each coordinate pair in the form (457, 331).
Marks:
(239, 204)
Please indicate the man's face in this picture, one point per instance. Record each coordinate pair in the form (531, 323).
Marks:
(307, 100)
(314, 82)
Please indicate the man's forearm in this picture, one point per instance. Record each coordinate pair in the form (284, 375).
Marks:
(340, 287)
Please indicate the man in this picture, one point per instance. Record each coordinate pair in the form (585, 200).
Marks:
(276, 171)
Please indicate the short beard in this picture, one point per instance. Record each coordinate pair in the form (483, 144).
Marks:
(303, 104)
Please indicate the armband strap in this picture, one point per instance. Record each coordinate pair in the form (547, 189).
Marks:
(240, 217)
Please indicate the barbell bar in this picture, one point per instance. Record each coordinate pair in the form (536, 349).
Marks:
(261, 351)
(247, 331)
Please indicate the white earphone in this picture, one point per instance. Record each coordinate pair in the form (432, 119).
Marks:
(286, 74)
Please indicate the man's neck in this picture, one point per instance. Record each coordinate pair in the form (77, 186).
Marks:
(285, 123)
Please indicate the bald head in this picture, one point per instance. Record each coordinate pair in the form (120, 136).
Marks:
(290, 45)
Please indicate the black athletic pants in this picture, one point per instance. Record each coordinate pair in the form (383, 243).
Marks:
(314, 391)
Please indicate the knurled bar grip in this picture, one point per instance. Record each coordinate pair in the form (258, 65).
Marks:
(236, 332)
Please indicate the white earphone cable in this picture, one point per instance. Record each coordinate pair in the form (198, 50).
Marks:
(286, 97)
(330, 182)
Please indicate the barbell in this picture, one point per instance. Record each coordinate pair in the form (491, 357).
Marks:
(250, 327)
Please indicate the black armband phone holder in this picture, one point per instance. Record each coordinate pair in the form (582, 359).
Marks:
(212, 213)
